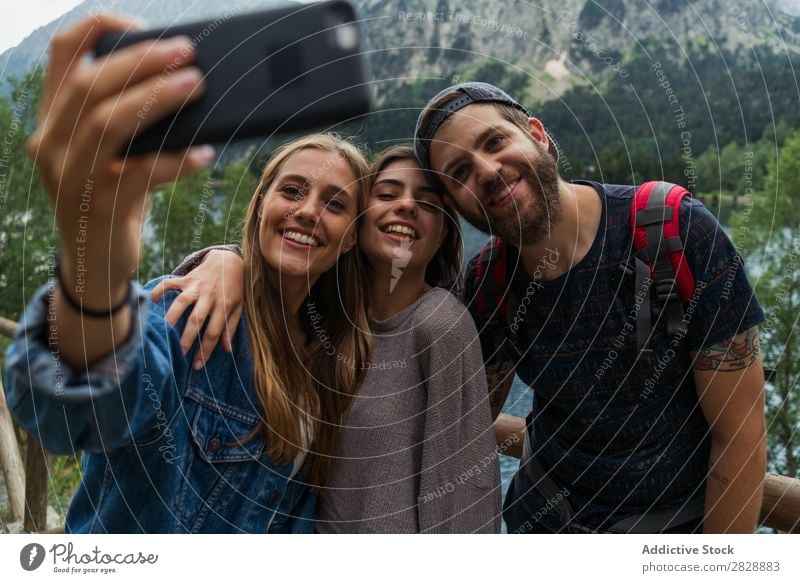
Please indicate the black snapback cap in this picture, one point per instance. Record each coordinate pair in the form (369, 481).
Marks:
(472, 92)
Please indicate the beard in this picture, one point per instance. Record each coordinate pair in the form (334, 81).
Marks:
(536, 224)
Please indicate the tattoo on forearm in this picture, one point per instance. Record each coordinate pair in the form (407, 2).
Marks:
(719, 477)
(731, 355)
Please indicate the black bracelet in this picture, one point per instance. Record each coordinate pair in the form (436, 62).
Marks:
(84, 311)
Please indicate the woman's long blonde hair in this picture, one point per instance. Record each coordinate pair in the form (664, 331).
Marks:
(292, 391)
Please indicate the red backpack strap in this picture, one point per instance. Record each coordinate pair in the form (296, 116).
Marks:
(655, 221)
(490, 301)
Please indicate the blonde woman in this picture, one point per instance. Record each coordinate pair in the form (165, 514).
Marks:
(243, 444)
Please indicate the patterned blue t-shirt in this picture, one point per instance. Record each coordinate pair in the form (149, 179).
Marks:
(621, 432)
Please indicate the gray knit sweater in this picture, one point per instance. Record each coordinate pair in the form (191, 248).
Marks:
(417, 452)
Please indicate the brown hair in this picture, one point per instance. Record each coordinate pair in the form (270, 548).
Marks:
(304, 402)
(444, 269)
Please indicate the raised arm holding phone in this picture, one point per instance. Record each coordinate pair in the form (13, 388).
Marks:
(88, 113)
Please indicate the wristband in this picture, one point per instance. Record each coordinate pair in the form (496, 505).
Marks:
(83, 310)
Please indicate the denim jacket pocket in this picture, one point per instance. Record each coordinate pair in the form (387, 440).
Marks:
(222, 438)
(218, 481)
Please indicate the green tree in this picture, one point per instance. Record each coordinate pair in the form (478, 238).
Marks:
(769, 228)
(27, 230)
(180, 221)
(204, 209)
(239, 185)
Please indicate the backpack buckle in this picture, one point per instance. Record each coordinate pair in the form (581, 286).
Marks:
(667, 290)
(622, 274)
(627, 269)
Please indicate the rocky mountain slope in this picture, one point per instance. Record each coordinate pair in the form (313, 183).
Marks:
(561, 42)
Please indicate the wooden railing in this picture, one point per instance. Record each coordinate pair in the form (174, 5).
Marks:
(27, 489)
(7, 327)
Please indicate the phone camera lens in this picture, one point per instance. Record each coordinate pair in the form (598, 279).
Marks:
(347, 37)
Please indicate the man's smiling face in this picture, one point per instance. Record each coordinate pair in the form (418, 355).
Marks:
(501, 178)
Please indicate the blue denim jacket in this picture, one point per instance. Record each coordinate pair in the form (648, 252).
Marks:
(164, 445)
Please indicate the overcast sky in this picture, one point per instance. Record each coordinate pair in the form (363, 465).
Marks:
(21, 17)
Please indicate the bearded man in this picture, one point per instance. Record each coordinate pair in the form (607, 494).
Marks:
(621, 438)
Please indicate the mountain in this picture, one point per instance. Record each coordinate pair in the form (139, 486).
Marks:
(554, 39)
(628, 87)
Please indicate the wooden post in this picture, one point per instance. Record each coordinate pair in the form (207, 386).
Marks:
(7, 327)
(781, 506)
(11, 460)
(35, 487)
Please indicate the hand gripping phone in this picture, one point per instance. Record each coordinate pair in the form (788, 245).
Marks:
(286, 69)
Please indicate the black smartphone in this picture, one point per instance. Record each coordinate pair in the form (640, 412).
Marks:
(290, 68)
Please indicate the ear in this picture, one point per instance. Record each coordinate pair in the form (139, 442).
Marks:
(536, 129)
(449, 201)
